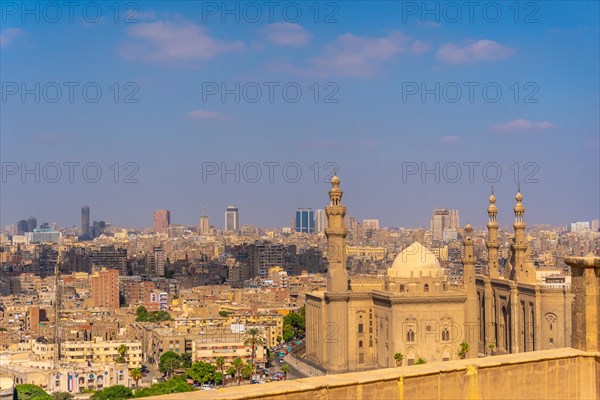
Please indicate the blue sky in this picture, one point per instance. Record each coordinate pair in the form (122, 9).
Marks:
(362, 68)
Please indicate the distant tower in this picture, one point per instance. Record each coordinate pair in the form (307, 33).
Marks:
(85, 222)
(320, 221)
(336, 232)
(162, 220)
(232, 219)
(31, 224)
(21, 227)
(522, 269)
(305, 220)
(204, 223)
(471, 306)
(492, 242)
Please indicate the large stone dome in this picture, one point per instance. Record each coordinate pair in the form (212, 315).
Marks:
(416, 261)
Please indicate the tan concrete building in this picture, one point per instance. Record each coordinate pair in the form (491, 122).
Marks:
(414, 310)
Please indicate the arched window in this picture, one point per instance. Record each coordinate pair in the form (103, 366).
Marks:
(445, 334)
(426, 288)
(410, 335)
(360, 344)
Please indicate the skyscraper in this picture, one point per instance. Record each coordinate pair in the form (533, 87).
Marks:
(232, 219)
(439, 220)
(85, 222)
(204, 224)
(162, 219)
(320, 221)
(305, 220)
(31, 224)
(21, 227)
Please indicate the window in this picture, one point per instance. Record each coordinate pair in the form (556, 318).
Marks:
(360, 328)
(445, 334)
(426, 288)
(410, 335)
(360, 344)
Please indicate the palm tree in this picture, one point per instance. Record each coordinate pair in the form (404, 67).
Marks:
(136, 375)
(238, 365)
(285, 369)
(254, 338)
(398, 357)
(220, 363)
(122, 350)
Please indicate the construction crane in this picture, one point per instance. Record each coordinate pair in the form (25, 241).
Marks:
(57, 308)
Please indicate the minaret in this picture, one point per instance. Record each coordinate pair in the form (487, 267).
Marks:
(336, 232)
(492, 242)
(471, 305)
(521, 267)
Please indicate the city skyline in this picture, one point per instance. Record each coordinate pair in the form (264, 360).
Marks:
(382, 127)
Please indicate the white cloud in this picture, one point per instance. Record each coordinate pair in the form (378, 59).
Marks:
(519, 125)
(481, 50)
(203, 114)
(452, 139)
(8, 35)
(356, 56)
(169, 41)
(286, 34)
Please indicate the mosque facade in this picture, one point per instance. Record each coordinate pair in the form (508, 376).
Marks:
(362, 323)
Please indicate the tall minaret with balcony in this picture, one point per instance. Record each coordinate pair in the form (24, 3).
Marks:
(492, 242)
(471, 305)
(336, 232)
(522, 269)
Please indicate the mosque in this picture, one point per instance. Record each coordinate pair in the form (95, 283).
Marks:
(362, 323)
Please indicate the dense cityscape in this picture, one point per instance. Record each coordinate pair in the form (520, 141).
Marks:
(292, 200)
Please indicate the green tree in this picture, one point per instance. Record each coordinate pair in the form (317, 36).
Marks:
(223, 313)
(247, 371)
(285, 369)
(186, 360)
(464, 349)
(238, 365)
(297, 322)
(3, 329)
(117, 392)
(420, 361)
(169, 362)
(174, 385)
(288, 333)
(220, 363)
(202, 372)
(31, 392)
(136, 374)
(398, 357)
(141, 313)
(122, 350)
(62, 396)
(254, 338)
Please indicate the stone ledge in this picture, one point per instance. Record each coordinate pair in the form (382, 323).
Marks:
(408, 379)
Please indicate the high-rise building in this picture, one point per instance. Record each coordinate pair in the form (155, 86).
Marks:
(109, 257)
(105, 288)
(159, 260)
(31, 224)
(85, 222)
(371, 223)
(579, 226)
(162, 219)
(595, 225)
(305, 220)
(21, 227)
(204, 225)
(320, 221)
(264, 255)
(232, 219)
(441, 219)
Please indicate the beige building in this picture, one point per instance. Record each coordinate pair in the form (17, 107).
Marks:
(96, 351)
(414, 310)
